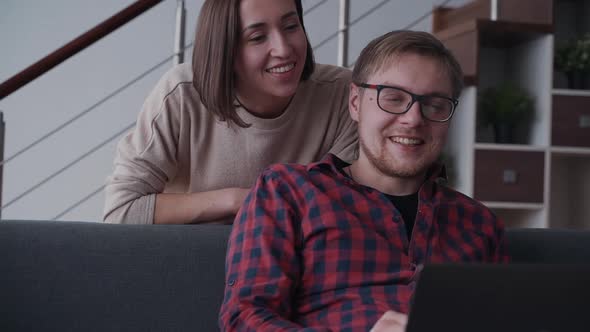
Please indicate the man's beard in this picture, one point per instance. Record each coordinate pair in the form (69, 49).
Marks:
(387, 165)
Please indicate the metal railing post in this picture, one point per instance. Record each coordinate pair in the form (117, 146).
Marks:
(494, 10)
(179, 33)
(343, 33)
(2, 127)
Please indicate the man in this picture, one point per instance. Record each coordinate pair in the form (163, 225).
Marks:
(338, 247)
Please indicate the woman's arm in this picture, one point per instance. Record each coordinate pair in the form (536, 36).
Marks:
(147, 158)
(198, 207)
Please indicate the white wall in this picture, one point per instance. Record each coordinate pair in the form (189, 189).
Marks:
(31, 29)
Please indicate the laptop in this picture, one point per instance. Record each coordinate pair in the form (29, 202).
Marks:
(501, 298)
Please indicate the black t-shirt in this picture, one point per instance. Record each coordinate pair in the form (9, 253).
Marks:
(408, 206)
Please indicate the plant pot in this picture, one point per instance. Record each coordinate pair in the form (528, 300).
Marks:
(504, 133)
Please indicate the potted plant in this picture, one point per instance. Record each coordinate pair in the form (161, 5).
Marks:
(505, 107)
(573, 59)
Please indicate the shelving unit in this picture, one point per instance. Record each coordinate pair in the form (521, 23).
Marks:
(543, 180)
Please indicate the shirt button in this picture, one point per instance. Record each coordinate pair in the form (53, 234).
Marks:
(231, 282)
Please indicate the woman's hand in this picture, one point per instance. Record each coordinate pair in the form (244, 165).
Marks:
(391, 321)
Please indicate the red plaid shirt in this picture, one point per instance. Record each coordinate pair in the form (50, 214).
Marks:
(313, 250)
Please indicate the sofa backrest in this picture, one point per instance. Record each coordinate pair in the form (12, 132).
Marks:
(72, 276)
(551, 246)
(77, 276)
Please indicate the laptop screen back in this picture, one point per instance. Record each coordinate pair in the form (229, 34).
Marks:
(510, 297)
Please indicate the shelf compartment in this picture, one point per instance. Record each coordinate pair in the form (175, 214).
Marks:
(570, 191)
(466, 39)
(525, 66)
(522, 11)
(509, 176)
(571, 18)
(570, 125)
(570, 21)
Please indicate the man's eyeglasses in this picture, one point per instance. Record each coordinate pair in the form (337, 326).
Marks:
(398, 101)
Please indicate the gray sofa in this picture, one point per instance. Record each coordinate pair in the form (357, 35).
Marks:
(77, 276)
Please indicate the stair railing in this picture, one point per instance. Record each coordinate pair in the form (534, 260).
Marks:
(68, 50)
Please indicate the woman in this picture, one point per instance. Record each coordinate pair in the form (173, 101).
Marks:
(252, 97)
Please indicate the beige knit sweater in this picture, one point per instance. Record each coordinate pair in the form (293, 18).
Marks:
(178, 146)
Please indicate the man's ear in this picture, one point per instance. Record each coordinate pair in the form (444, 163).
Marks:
(354, 100)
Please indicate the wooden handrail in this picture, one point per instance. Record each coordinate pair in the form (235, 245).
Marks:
(88, 38)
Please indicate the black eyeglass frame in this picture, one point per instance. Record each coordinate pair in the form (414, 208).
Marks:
(415, 98)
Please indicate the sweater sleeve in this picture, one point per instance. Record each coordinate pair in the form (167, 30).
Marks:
(262, 265)
(145, 161)
(346, 143)
(345, 146)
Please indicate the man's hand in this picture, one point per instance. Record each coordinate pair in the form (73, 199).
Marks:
(391, 321)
